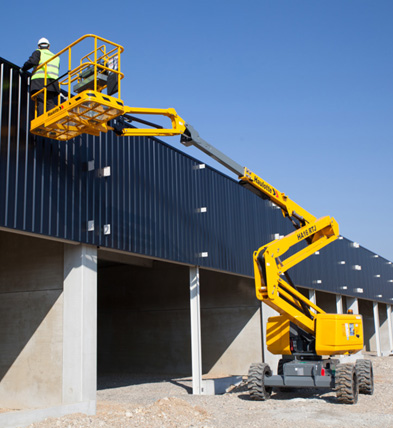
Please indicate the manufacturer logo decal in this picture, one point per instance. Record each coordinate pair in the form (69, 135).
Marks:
(266, 186)
(55, 110)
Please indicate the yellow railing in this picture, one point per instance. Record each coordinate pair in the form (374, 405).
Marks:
(99, 58)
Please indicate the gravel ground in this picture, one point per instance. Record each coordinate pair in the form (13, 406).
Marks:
(136, 401)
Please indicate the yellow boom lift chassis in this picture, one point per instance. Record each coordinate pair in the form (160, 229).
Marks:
(302, 332)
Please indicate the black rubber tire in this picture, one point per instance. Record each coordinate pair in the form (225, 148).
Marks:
(365, 373)
(347, 386)
(256, 377)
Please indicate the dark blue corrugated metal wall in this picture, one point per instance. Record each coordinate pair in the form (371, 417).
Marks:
(152, 201)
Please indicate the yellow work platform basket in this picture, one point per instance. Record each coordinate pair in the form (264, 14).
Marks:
(82, 107)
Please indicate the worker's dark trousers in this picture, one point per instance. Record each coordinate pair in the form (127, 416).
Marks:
(51, 101)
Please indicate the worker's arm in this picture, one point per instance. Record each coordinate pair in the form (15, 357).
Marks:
(33, 61)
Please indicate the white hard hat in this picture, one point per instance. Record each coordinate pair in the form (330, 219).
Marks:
(43, 41)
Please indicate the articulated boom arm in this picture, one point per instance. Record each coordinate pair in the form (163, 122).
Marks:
(269, 270)
(178, 124)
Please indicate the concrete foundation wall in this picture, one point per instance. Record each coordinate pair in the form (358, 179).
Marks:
(231, 324)
(31, 307)
(366, 310)
(384, 328)
(351, 303)
(327, 302)
(144, 321)
(47, 329)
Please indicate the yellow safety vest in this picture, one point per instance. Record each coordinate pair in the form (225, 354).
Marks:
(52, 67)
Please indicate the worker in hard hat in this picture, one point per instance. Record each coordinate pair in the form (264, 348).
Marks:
(38, 57)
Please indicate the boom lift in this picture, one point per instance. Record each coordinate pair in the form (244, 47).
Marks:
(302, 332)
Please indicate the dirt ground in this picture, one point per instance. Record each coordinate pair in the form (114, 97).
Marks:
(136, 401)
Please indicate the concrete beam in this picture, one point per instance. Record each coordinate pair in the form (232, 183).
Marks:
(123, 257)
(196, 345)
(80, 325)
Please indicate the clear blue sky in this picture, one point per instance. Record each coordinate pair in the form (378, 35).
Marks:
(299, 91)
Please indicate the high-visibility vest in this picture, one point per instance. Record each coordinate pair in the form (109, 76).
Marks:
(52, 67)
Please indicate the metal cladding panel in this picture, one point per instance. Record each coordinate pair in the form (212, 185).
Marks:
(44, 184)
(140, 195)
(346, 268)
(160, 203)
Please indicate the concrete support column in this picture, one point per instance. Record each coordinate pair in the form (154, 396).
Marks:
(339, 303)
(80, 326)
(376, 327)
(196, 345)
(353, 304)
(312, 296)
(389, 319)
